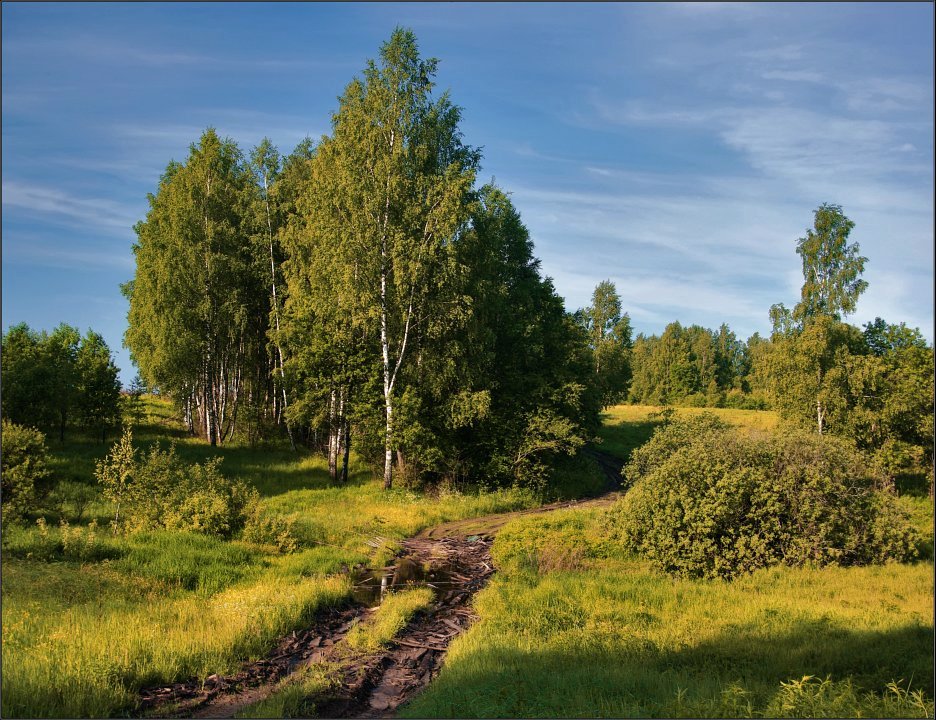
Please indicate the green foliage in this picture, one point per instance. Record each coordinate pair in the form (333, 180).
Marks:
(831, 267)
(25, 470)
(270, 531)
(70, 498)
(709, 501)
(371, 250)
(51, 380)
(98, 388)
(198, 300)
(163, 491)
(691, 366)
(545, 436)
(609, 336)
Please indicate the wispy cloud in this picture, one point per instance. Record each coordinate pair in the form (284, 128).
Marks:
(807, 76)
(33, 251)
(780, 53)
(55, 204)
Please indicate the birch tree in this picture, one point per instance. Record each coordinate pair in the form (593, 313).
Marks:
(389, 196)
(193, 300)
(811, 343)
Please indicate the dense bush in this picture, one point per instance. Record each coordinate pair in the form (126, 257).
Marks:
(162, 491)
(24, 470)
(708, 500)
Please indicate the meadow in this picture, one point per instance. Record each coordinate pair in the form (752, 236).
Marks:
(89, 618)
(569, 626)
(572, 627)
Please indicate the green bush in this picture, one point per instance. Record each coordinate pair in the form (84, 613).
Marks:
(25, 469)
(270, 531)
(162, 491)
(707, 500)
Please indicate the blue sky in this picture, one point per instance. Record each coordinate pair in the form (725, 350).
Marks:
(676, 149)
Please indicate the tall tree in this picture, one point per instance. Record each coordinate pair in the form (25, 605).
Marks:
(831, 267)
(28, 393)
(193, 300)
(61, 353)
(609, 335)
(98, 386)
(265, 165)
(813, 332)
(390, 195)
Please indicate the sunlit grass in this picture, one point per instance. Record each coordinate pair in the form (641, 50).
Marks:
(295, 697)
(88, 617)
(612, 638)
(627, 427)
(394, 612)
(84, 652)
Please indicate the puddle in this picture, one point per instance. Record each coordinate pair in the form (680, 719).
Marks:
(370, 586)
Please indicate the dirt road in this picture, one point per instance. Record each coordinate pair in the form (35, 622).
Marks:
(459, 558)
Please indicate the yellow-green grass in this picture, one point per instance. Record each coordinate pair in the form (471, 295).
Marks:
(394, 612)
(79, 639)
(296, 696)
(627, 427)
(88, 618)
(606, 636)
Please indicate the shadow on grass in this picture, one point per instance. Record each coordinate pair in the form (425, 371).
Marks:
(627, 678)
(273, 470)
(912, 484)
(623, 438)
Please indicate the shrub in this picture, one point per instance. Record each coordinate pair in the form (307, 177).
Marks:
(25, 468)
(708, 500)
(162, 491)
(71, 497)
(270, 531)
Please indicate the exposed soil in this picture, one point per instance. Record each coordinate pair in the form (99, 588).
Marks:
(458, 557)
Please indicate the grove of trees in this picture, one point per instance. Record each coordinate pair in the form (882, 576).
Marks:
(59, 379)
(363, 290)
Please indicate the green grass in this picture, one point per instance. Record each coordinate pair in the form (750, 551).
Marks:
(391, 617)
(572, 627)
(598, 634)
(82, 652)
(627, 427)
(568, 627)
(88, 618)
(295, 697)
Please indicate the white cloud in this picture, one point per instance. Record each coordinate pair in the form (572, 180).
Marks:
(83, 212)
(16, 250)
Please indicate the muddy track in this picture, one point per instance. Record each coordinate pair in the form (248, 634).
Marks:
(374, 685)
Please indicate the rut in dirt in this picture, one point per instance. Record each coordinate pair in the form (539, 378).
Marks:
(457, 561)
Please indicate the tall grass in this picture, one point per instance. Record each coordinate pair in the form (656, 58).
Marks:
(82, 653)
(602, 635)
(88, 617)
